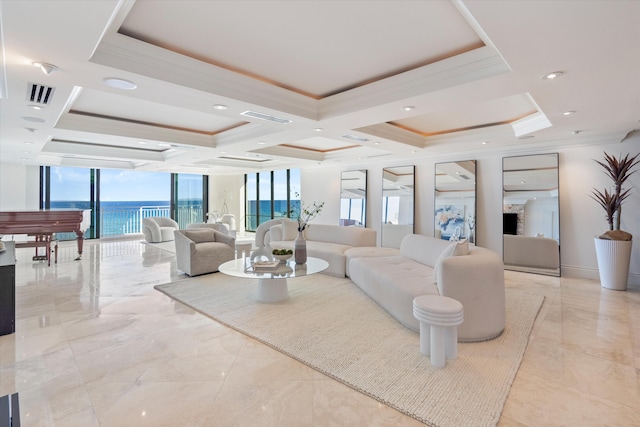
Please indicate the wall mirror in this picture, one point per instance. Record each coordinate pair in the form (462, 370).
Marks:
(455, 200)
(531, 214)
(398, 200)
(353, 198)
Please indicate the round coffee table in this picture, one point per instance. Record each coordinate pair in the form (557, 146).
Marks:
(272, 281)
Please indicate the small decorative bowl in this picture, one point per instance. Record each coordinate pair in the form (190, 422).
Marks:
(282, 258)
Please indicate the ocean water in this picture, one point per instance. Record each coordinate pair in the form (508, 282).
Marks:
(279, 211)
(125, 217)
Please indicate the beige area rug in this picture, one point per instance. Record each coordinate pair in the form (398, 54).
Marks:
(330, 325)
(165, 246)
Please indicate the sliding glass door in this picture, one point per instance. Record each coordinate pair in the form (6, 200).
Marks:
(120, 199)
(189, 198)
(270, 195)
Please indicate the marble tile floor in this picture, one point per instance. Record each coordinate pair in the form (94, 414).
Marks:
(96, 345)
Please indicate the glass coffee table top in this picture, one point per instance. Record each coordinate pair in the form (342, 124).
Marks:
(242, 267)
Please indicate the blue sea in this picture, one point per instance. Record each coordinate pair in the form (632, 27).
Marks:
(125, 217)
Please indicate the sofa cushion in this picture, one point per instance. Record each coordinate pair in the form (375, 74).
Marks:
(424, 249)
(289, 229)
(368, 251)
(393, 282)
(200, 235)
(352, 236)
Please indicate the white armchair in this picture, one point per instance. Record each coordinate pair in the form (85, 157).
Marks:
(210, 225)
(158, 229)
(201, 251)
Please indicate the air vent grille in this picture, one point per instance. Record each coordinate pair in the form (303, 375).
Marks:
(263, 116)
(355, 138)
(40, 94)
(464, 176)
(245, 159)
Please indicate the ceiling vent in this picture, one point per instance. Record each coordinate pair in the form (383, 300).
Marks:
(355, 138)
(39, 94)
(245, 159)
(463, 176)
(268, 117)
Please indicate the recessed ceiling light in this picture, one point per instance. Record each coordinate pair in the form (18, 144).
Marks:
(28, 143)
(522, 182)
(485, 142)
(142, 142)
(45, 68)
(164, 145)
(220, 107)
(261, 142)
(552, 75)
(36, 107)
(120, 83)
(377, 143)
(33, 119)
(408, 108)
(568, 113)
(318, 129)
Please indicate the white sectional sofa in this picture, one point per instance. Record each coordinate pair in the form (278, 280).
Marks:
(426, 265)
(532, 252)
(328, 242)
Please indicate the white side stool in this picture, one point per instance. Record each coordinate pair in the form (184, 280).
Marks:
(439, 319)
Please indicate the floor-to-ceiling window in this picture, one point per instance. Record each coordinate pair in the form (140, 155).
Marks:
(189, 191)
(270, 195)
(67, 188)
(125, 197)
(120, 199)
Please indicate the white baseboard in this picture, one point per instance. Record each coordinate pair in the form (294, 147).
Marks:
(592, 273)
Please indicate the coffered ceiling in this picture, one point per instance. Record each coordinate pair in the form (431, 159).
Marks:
(236, 86)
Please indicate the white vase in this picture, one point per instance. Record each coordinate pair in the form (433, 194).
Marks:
(614, 257)
(300, 251)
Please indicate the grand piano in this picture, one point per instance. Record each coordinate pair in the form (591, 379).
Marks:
(43, 224)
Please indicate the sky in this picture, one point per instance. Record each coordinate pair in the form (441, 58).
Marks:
(73, 184)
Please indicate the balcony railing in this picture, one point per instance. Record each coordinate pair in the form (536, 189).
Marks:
(122, 221)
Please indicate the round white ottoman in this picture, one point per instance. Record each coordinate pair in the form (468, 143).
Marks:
(439, 318)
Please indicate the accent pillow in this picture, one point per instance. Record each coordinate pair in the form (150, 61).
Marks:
(462, 248)
(445, 254)
(289, 229)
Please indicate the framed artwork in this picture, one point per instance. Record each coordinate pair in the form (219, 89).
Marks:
(449, 221)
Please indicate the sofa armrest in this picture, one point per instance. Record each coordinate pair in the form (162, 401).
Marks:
(477, 281)
(185, 247)
(153, 233)
(225, 238)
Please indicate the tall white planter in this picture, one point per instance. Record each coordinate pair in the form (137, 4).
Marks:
(614, 257)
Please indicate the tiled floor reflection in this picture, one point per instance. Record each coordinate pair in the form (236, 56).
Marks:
(96, 345)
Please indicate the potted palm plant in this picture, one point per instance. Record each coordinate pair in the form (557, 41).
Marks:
(613, 248)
